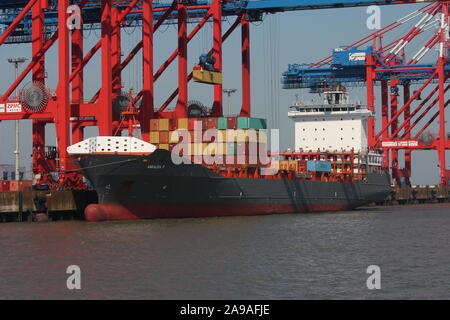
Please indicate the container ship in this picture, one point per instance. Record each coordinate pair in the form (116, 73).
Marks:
(205, 166)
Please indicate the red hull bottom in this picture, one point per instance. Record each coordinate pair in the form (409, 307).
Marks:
(108, 212)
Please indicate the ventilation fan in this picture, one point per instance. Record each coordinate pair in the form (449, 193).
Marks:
(34, 97)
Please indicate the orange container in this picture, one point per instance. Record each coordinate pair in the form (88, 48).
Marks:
(14, 185)
(154, 124)
(164, 137)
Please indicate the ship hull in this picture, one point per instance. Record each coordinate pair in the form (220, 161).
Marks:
(147, 187)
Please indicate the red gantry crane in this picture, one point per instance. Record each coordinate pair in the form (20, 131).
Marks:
(45, 22)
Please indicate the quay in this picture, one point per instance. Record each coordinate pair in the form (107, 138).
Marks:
(49, 205)
(418, 194)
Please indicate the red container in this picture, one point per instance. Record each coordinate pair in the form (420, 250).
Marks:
(195, 124)
(173, 124)
(14, 185)
(164, 137)
(25, 184)
(209, 123)
(4, 185)
(232, 123)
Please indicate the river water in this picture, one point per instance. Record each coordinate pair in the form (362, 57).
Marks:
(295, 256)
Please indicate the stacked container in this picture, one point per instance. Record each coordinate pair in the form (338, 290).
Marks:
(21, 185)
(240, 139)
(4, 185)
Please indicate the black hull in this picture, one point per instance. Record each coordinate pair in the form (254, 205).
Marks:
(139, 187)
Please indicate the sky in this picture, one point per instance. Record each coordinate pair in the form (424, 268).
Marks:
(281, 39)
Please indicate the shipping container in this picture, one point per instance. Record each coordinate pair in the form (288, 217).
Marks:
(293, 165)
(163, 125)
(246, 135)
(262, 136)
(164, 137)
(318, 166)
(198, 148)
(257, 123)
(183, 123)
(154, 124)
(214, 148)
(222, 135)
(154, 137)
(284, 165)
(231, 148)
(251, 123)
(4, 185)
(211, 135)
(174, 136)
(164, 146)
(243, 123)
(222, 123)
(195, 124)
(232, 123)
(173, 124)
(209, 123)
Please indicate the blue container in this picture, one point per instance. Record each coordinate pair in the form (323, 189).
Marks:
(318, 166)
(349, 57)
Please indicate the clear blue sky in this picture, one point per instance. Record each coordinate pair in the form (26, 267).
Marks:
(293, 37)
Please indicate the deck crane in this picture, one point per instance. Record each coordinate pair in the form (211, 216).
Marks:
(44, 22)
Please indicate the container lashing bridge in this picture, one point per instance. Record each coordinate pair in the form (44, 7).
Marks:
(44, 23)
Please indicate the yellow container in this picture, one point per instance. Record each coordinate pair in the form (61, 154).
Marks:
(293, 165)
(164, 146)
(214, 148)
(183, 123)
(221, 148)
(284, 165)
(262, 136)
(221, 136)
(174, 136)
(208, 77)
(163, 125)
(154, 137)
(231, 135)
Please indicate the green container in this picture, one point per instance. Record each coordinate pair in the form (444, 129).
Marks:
(258, 124)
(251, 123)
(222, 123)
(243, 123)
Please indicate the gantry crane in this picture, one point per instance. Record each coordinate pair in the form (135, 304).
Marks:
(373, 62)
(44, 23)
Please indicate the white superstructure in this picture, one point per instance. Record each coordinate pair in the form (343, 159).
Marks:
(336, 124)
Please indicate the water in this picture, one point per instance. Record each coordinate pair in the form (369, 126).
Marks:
(298, 256)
